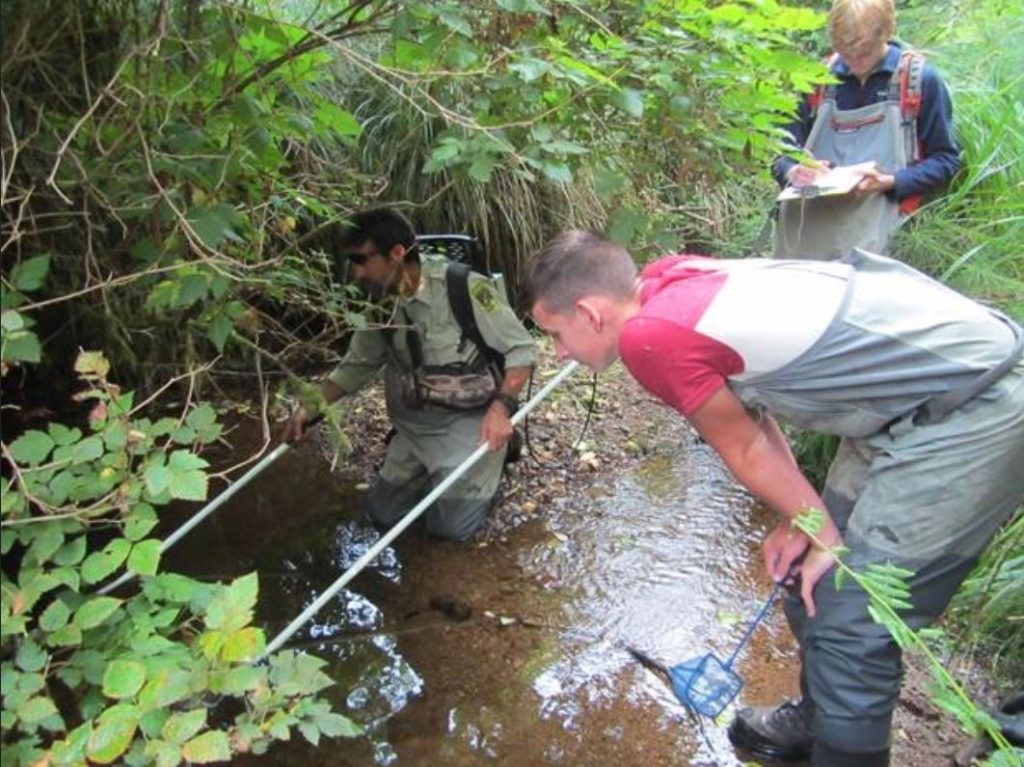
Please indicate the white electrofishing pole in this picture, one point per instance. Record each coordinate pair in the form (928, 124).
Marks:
(213, 505)
(409, 518)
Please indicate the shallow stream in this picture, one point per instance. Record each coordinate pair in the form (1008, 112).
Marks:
(511, 652)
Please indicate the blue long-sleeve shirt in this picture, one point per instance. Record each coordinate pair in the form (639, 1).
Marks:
(941, 153)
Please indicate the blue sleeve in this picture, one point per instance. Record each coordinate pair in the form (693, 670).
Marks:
(941, 158)
(798, 131)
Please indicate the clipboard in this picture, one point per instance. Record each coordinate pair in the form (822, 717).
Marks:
(837, 181)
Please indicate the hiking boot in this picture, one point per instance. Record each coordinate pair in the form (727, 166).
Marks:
(779, 734)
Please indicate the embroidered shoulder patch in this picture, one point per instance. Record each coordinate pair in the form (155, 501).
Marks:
(484, 295)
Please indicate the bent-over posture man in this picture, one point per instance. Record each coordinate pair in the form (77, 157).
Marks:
(925, 387)
(432, 376)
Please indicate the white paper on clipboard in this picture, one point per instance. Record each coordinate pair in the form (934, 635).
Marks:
(841, 180)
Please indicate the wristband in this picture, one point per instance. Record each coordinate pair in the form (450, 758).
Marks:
(508, 401)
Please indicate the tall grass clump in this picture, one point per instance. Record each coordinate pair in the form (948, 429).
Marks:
(971, 235)
(991, 601)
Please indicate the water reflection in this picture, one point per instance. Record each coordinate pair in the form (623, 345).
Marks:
(664, 559)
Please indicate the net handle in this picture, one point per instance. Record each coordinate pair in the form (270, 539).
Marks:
(754, 624)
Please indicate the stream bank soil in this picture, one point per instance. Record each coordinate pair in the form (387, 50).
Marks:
(509, 649)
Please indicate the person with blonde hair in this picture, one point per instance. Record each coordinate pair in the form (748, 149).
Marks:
(890, 114)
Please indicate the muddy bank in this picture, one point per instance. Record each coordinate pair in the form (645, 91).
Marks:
(510, 649)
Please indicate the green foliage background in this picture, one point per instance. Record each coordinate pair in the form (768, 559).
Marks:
(168, 172)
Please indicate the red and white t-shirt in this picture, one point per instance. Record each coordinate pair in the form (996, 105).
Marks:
(704, 321)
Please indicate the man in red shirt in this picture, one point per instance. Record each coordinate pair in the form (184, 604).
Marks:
(924, 386)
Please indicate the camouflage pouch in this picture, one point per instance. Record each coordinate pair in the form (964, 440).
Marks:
(452, 387)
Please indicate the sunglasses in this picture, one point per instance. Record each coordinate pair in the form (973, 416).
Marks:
(358, 259)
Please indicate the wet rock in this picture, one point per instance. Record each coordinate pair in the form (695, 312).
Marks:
(454, 608)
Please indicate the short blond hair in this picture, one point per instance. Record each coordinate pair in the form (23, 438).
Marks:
(857, 24)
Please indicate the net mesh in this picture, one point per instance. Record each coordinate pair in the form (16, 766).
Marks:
(705, 684)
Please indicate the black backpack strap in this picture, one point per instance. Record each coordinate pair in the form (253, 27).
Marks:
(412, 342)
(457, 281)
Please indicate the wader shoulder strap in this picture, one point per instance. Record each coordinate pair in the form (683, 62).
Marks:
(940, 406)
(457, 281)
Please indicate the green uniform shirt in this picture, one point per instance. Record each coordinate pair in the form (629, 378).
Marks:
(429, 310)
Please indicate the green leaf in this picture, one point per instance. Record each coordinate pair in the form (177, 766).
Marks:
(203, 420)
(209, 747)
(11, 321)
(145, 557)
(625, 224)
(456, 22)
(123, 678)
(36, 710)
(188, 486)
(163, 753)
(66, 636)
(191, 288)
(215, 224)
(810, 521)
(29, 274)
(71, 750)
(243, 645)
(21, 346)
(310, 732)
(231, 608)
(31, 657)
(164, 688)
(157, 478)
(113, 733)
(294, 674)
(180, 727)
(337, 120)
(183, 460)
(100, 564)
(338, 726)
(530, 69)
(558, 172)
(629, 101)
(481, 167)
(96, 611)
(48, 537)
(92, 364)
(55, 616)
(219, 331)
(239, 680)
(32, 447)
(71, 553)
(89, 449)
(143, 520)
(152, 722)
(244, 590)
(183, 435)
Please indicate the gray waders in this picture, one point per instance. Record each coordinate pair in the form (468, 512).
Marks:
(825, 228)
(925, 490)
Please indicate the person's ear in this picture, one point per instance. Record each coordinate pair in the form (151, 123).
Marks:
(590, 310)
(397, 253)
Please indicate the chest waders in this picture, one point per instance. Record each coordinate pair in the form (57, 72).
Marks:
(921, 482)
(825, 228)
(914, 400)
(880, 361)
